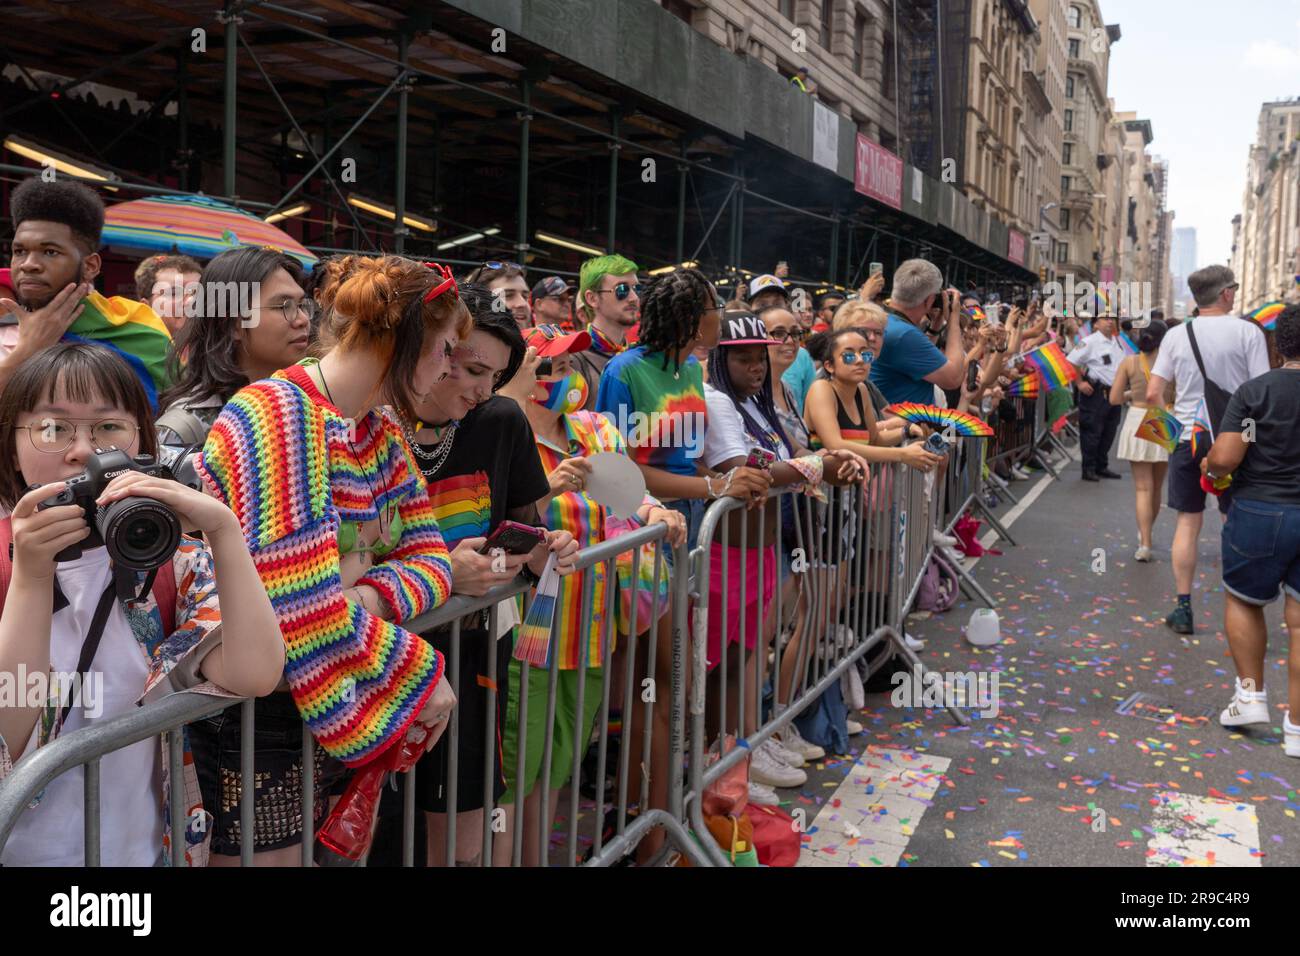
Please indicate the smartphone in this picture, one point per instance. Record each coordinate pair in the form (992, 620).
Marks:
(513, 538)
(760, 458)
(936, 444)
(876, 268)
(972, 377)
(544, 368)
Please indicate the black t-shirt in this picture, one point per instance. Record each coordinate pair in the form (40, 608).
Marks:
(1271, 469)
(492, 473)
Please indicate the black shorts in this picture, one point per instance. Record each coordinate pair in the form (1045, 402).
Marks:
(1185, 492)
(277, 766)
(473, 747)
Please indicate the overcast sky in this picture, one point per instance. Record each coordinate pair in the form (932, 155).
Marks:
(1199, 71)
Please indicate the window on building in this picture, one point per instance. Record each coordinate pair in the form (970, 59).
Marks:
(785, 8)
(1069, 120)
(1064, 217)
(1063, 252)
(887, 69)
(1065, 185)
(1069, 87)
(860, 45)
(827, 7)
(1075, 17)
(1074, 49)
(678, 8)
(1067, 153)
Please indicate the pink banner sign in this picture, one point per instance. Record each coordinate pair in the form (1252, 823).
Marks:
(1016, 247)
(878, 173)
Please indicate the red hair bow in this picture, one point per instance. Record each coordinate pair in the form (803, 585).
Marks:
(447, 282)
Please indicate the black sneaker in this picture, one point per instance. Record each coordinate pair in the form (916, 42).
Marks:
(1090, 476)
(1179, 620)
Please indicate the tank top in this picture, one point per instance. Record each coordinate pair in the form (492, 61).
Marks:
(849, 429)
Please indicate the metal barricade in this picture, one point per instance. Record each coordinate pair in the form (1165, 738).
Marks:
(661, 767)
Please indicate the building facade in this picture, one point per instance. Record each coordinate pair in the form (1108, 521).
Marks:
(1266, 238)
(1050, 68)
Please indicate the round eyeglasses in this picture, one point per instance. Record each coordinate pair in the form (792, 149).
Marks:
(290, 308)
(54, 435)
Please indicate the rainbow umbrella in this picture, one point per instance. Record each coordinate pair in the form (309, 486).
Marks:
(1266, 315)
(964, 424)
(194, 225)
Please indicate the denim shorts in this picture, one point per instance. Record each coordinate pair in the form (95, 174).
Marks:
(1261, 551)
(692, 509)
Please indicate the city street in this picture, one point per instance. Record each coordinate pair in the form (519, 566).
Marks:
(1023, 789)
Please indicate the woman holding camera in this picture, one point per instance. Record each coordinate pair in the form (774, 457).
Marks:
(63, 614)
(341, 529)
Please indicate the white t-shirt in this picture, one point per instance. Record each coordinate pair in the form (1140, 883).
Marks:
(1234, 349)
(131, 824)
(1099, 357)
(726, 437)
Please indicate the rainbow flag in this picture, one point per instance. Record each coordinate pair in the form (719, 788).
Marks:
(133, 331)
(1027, 386)
(1266, 315)
(1202, 434)
(1127, 345)
(1051, 365)
(976, 313)
(1160, 426)
(1103, 303)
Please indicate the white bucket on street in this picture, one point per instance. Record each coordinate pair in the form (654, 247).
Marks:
(984, 629)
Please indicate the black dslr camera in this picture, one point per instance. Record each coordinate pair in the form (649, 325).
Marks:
(140, 533)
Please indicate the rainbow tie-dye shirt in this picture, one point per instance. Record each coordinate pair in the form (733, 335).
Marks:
(660, 412)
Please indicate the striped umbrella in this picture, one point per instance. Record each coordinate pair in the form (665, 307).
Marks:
(194, 225)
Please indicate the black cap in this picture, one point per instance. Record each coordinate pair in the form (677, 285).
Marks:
(551, 286)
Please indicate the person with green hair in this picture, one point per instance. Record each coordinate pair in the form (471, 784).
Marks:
(609, 302)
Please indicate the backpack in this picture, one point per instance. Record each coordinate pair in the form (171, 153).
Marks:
(938, 590)
(163, 588)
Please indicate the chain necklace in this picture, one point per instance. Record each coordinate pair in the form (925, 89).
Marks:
(438, 456)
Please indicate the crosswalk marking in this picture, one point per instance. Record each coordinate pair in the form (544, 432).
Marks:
(874, 812)
(1202, 831)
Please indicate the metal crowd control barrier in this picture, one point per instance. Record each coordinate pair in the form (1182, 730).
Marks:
(86, 747)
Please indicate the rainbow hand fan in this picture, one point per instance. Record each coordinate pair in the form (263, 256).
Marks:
(1266, 315)
(1050, 363)
(1027, 386)
(534, 644)
(963, 424)
(1160, 426)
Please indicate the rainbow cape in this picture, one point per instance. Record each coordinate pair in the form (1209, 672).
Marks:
(133, 331)
(1160, 426)
(1051, 365)
(1266, 315)
(963, 424)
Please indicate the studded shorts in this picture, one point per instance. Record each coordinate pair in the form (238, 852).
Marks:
(277, 774)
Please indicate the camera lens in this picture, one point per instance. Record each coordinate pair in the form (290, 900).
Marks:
(141, 533)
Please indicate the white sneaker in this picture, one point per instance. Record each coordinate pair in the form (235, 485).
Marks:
(791, 739)
(837, 642)
(766, 769)
(1019, 474)
(1241, 712)
(945, 540)
(1142, 554)
(787, 756)
(854, 728)
(1290, 737)
(913, 643)
(762, 796)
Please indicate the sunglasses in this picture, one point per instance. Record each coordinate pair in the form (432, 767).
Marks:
(495, 266)
(850, 357)
(623, 290)
(779, 334)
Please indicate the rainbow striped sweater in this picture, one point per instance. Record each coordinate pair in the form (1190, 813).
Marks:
(289, 466)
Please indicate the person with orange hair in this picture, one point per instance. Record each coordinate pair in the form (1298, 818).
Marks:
(343, 534)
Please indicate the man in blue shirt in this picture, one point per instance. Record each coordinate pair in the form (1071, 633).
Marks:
(910, 365)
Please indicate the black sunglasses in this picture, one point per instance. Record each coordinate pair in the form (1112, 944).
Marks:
(623, 290)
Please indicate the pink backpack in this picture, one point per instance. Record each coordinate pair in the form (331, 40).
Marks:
(938, 590)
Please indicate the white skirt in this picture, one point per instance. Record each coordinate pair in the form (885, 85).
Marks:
(1132, 448)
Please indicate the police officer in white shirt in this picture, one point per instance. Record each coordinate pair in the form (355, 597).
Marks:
(1097, 358)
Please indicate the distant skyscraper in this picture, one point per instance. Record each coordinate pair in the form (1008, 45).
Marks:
(1183, 262)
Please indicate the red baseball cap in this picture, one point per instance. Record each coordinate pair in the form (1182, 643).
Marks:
(551, 340)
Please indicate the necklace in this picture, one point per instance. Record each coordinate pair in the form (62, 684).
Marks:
(438, 456)
(383, 517)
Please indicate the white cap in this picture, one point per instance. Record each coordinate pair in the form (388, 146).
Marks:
(766, 281)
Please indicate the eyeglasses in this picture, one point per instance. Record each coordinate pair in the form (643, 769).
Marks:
(787, 335)
(622, 290)
(851, 357)
(290, 308)
(495, 266)
(54, 435)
